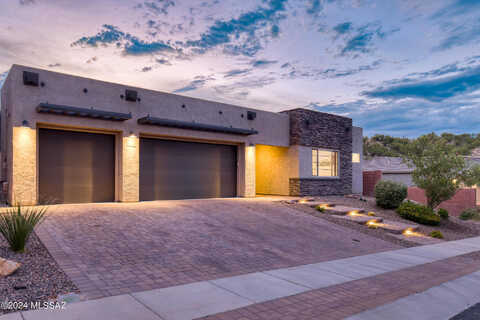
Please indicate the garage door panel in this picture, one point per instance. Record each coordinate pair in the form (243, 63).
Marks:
(76, 167)
(186, 170)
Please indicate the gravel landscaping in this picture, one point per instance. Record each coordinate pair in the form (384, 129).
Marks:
(39, 278)
(452, 229)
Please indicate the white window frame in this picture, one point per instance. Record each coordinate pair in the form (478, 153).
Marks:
(337, 152)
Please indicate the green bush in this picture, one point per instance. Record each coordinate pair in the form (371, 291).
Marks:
(469, 214)
(389, 194)
(436, 234)
(17, 223)
(418, 213)
(443, 213)
(320, 208)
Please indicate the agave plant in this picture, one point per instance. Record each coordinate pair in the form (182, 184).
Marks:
(17, 223)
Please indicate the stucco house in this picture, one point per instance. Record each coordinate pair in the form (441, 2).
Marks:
(392, 168)
(68, 139)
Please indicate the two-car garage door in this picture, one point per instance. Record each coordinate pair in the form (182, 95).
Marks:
(186, 170)
(79, 167)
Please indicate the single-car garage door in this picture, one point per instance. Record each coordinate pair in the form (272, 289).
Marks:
(76, 167)
(186, 170)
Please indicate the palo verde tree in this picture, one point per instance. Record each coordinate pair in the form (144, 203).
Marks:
(438, 168)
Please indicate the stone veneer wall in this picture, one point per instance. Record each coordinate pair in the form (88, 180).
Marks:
(322, 130)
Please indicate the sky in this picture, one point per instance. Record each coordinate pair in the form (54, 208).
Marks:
(397, 67)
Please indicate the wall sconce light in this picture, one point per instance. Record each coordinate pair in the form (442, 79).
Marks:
(24, 123)
(251, 145)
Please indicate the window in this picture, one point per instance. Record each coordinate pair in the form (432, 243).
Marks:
(356, 157)
(324, 163)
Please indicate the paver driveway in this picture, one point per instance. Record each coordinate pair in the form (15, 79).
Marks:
(109, 249)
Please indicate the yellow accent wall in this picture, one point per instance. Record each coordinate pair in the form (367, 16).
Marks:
(274, 167)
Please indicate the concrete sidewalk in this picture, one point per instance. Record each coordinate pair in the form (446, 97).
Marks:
(210, 297)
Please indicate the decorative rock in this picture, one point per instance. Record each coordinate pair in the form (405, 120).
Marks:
(7, 267)
(359, 218)
(342, 210)
(395, 226)
(418, 239)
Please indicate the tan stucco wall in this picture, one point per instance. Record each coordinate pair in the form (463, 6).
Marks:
(274, 167)
(24, 169)
(250, 179)
(62, 89)
(130, 172)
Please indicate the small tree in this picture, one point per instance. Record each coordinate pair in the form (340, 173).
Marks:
(439, 170)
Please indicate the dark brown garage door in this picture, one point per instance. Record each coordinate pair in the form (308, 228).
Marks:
(186, 170)
(76, 167)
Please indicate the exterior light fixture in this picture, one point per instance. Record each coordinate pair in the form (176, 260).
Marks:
(24, 123)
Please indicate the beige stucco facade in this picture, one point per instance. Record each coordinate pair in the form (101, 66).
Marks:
(266, 160)
(21, 121)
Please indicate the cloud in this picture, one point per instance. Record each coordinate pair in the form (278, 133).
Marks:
(157, 7)
(460, 36)
(262, 63)
(408, 118)
(196, 83)
(449, 68)
(239, 35)
(236, 72)
(26, 2)
(109, 34)
(3, 76)
(343, 28)
(360, 40)
(146, 69)
(295, 72)
(432, 90)
(131, 45)
(92, 60)
(314, 7)
(457, 7)
(136, 46)
(240, 89)
(54, 65)
(163, 61)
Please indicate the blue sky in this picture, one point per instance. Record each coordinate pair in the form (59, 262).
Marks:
(402, 68)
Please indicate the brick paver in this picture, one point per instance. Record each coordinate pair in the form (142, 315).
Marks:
(111, 249)
(340, 301)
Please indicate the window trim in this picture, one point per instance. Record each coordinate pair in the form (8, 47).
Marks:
(337, 164)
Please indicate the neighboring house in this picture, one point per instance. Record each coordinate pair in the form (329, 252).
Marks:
(68, 139)
(385, 168)
(394, 169)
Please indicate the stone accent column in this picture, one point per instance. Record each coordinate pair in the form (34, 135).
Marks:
(249, 171)
(23, 189)
(130, 175)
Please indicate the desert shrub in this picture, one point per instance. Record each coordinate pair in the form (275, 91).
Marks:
(469, 214)
(418, 213)
(436, 234)
(443, 213)
(389, 194)
(17, 223)
(320, 208)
